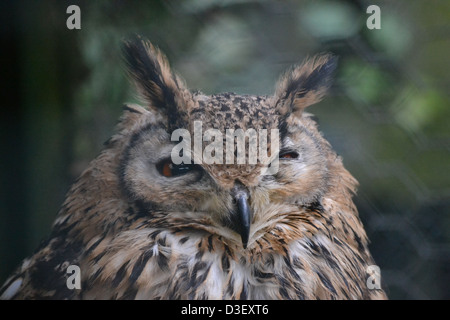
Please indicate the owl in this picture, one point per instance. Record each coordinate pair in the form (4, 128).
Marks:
(139, 225)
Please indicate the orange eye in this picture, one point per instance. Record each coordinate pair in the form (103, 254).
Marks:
(166, 169)
(289, 155)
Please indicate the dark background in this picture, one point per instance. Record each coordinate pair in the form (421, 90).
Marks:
(387, 114)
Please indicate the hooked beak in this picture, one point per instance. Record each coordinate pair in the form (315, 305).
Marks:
(243, 213)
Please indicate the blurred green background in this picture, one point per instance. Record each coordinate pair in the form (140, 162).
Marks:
(387, 114)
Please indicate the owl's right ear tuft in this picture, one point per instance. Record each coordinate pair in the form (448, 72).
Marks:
(154, 79)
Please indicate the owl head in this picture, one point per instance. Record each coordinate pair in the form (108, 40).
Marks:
(237, 200)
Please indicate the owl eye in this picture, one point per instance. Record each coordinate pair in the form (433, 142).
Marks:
(168, 169)
(289, 155)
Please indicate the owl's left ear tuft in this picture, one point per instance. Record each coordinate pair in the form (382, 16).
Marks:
(306, 84)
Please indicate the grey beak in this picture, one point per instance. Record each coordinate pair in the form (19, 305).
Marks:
(244, 217)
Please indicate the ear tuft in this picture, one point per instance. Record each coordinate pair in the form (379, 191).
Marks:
(155, 81)
(306, 84)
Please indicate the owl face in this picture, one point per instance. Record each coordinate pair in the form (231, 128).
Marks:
(237, 200)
